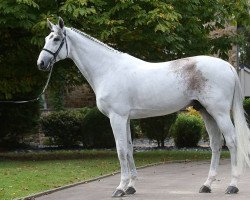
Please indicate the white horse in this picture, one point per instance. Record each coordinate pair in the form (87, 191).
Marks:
(129, 88)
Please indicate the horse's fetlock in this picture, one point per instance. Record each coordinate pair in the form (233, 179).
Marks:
(125, 180)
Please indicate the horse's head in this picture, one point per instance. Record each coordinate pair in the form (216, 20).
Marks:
(55, 47)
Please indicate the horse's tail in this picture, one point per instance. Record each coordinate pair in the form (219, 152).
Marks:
(241, 126)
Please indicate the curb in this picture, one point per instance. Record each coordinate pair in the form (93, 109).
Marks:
(33, 196)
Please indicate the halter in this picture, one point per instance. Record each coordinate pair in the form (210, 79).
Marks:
(55, 54)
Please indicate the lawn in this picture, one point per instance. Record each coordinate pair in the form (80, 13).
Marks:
(23, 174)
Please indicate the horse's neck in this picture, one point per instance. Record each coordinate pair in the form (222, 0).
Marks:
(92, 59)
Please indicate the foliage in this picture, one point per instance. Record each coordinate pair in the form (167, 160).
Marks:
(187, 130)
(20, 45)
(160, 30)
(97, 132)
(19, 79)
(156, 30)
(157, 128)
(246, 105)
(16, 121)
(245, 47)
(191, 111)
(64, 127)
(71, 127)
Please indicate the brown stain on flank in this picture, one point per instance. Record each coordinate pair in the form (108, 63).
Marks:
(192, 77)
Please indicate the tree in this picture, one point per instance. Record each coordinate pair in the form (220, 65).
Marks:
(18, 78)
(153, 30)
(158, 30)
(157, 128)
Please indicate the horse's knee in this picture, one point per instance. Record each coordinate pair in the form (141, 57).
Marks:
(122, 154)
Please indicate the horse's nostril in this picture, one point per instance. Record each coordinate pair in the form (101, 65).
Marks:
(41, 65)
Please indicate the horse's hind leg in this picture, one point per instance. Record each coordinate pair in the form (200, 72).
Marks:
(215, 144)
(224, 122)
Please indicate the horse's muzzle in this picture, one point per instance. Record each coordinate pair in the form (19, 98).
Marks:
(44, 67)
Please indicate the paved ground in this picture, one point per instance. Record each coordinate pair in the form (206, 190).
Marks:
(179, 181)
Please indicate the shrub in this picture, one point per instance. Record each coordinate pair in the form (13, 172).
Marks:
(97, 132)
(191, 111)
(17, 120)
(64, 127)
(187, 130)
(157, 128)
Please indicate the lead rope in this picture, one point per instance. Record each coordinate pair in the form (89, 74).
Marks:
(35, 99)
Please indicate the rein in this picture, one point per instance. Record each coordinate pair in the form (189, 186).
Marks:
(55, 54)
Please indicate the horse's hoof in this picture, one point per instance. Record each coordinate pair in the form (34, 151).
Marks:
(130, 190)
(205, 189)
(118, 193)
(232, 190)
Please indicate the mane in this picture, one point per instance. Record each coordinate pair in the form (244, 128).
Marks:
(95, 40)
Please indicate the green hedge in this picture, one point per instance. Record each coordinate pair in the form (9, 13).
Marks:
(157, 128)
(80, 126)
(92, 129)
(187, 130)
(64, 128)
(97, 132)
(17, 121)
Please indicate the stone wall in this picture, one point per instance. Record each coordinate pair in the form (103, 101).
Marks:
(80, 96)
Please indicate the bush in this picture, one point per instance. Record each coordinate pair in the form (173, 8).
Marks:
(97, 132)
(64, 127)
(187, 130)
(17, 120)
(157, 128)
(204, 135)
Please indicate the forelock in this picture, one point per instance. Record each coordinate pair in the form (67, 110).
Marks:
(57, 30)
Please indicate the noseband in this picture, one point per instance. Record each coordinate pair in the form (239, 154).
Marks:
(55, 54)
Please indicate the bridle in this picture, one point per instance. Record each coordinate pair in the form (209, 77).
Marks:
(55, 54)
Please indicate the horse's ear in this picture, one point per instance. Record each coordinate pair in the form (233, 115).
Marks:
(61, 23)
(49, 24)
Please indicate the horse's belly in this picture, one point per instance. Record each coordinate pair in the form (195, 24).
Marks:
(158, 109)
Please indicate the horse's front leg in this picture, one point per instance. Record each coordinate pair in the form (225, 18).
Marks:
(132, 168)
(119, 127)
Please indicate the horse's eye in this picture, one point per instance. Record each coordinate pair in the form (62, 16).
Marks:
(56, 39)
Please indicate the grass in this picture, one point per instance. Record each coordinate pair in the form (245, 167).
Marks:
(22, 174)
